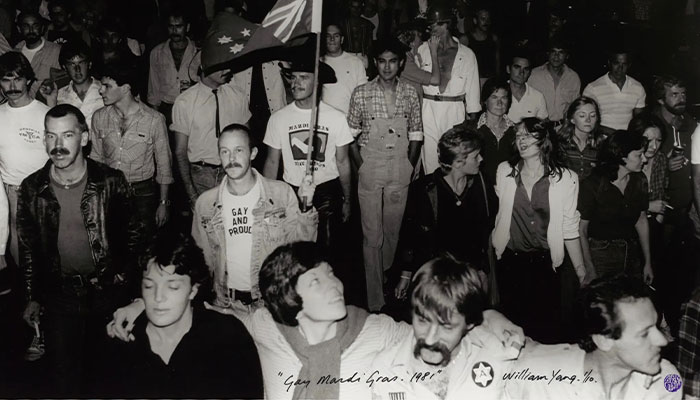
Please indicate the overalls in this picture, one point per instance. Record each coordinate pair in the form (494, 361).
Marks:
(382, 190)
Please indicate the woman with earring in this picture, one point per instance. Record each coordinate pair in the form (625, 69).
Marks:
(537, 219)
(613, 203)
(580, 136)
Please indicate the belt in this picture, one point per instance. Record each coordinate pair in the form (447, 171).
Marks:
(78, 284)
(439, 97)
(205, 164)
(245, 297)
(145, 182)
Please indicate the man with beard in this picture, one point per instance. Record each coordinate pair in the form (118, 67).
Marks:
(83, 91)
(173, 65)
(21, 133)
(41, 53)
(60, 30)
(681, 244)
(619, 356)
(449, 354)
(77, 243)
(129, 136)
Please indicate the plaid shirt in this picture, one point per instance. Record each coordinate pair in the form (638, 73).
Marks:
(130, 146)
(407, 103)
(689, 346)
(658, 181)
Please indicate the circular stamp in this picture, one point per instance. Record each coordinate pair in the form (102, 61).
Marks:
(672, 382)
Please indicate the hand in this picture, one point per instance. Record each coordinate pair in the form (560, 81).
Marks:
(123, 321)
(307, 189)
(401, 287)
(589, 277)
(433, 44)
(657, 206)
(507, 332)
(648, 274)
(162, 214)
(580, 273)
(32, 313)
(675, 162)
(49, 90)
(347, 209)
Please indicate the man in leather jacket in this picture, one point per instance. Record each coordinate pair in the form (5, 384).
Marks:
(77, 247)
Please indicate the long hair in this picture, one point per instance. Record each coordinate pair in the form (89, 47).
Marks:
(566, 132)
(547, 141)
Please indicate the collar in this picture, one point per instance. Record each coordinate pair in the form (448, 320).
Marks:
(115, 114)
(94, 85)
(95, 176)
(482, 121)
(222, 186)
(610, 82)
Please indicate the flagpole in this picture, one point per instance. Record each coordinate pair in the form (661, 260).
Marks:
(306, 202)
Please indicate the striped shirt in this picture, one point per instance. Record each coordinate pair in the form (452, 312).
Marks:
(616, 105)
(132, 145)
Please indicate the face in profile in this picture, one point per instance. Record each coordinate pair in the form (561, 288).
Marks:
(321, 294)
(639, 347)
(468, 164)
(64, 140)
(635, 160)
(437, 342)
(167, 295)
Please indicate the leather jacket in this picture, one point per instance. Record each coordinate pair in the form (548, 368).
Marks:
(112, 233)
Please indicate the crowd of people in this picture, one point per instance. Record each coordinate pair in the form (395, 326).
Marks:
(491, 182)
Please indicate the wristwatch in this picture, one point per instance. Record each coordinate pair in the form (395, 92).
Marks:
(165, 202)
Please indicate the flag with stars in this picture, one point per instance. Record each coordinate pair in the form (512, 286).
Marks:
(227, 37)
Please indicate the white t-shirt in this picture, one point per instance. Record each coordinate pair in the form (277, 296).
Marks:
(288, 130)
(350, 72)
(30, 53)
(237, 212)
(532, 104)
(22, 150)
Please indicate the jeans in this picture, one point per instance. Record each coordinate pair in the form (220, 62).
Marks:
(205, 177)
(12, 192)
(613, 256)
(529, 290)
(146, 199)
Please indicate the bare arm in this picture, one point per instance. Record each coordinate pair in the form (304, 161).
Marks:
(642, 227)
(272, 163)
(414, 151)
(585, 248)
(183, 165)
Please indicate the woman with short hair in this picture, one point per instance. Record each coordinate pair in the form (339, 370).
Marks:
(613, 202)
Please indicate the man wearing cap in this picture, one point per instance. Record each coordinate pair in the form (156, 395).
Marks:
(385, 116)
(447, 105)
(287, 137)
(200, 112)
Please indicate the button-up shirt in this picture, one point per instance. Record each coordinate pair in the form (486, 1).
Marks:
(407, 104)
(165, 81)
(91, 103)
(131, 145)
(558, 97)
(689, 345)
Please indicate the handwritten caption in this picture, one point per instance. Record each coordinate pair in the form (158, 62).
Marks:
(555, 376)
(375, 377)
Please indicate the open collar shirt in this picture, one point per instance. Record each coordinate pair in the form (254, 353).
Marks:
(91, 103)
(558, 97)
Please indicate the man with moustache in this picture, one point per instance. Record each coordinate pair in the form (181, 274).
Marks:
(129, 136)
(77, 241)
(449, 354)
(173, 65)
(41, 53)
(83, 91)
(619, 356)
(21, 133)
(242, 220)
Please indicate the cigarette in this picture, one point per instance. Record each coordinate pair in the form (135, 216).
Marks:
(669, 207)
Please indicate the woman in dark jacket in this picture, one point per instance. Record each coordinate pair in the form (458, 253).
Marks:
(451, 210)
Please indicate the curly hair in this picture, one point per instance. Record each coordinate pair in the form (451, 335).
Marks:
(279, 275)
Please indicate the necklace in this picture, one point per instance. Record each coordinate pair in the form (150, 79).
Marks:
(66, 182)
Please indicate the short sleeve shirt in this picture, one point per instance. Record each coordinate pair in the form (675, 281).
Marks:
(288, 131)
(611, 213)
(532, 104)
(616, 105)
